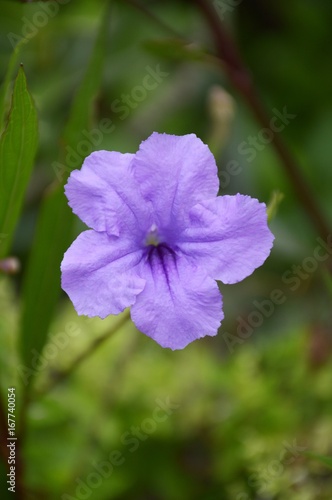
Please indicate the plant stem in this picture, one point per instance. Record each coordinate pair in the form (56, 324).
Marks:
(241, 79)
(59, 376)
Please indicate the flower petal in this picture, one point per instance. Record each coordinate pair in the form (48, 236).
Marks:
(228, 236)
(175, 173)
(99, 274)
(105, 195)
(179, 303)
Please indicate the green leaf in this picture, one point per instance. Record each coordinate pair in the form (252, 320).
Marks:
(55, 226)
(18, 146)
(42, 279)
(320, 458)
(6, 84)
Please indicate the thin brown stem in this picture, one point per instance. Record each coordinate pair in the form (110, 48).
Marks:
(241, 79)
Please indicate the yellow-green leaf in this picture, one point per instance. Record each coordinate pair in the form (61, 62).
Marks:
(273, 205)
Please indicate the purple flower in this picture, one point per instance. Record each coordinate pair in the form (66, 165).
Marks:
(160, 238)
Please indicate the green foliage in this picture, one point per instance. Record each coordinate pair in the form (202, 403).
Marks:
(239, 425)
(18, 145)
(81, 108)
(4, 89)
(42, 281)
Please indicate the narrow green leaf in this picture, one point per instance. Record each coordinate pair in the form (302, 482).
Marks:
(18, 146)
(42, 279)
(81, 108)
(55, 226)
(4, 90)
(320, 458)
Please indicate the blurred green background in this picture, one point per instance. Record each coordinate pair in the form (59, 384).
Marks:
(230, 417)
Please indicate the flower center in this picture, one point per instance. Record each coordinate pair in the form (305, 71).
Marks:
(159, 255)
(152, 236)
